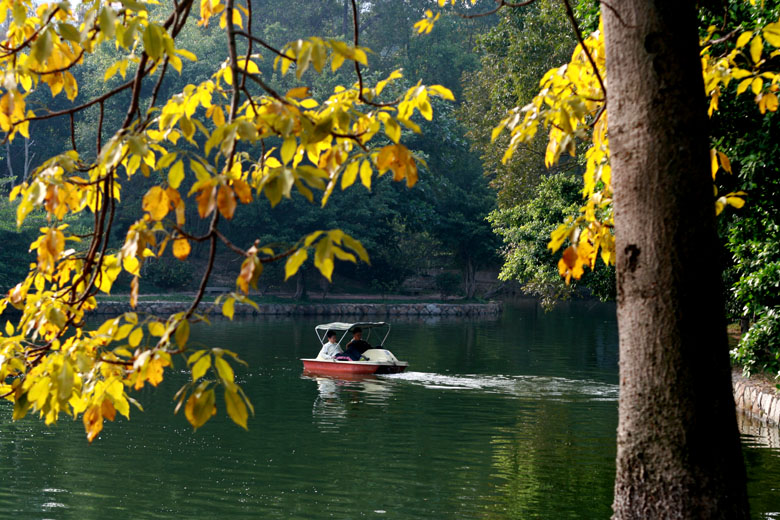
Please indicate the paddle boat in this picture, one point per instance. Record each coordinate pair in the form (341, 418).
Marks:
(376, 360)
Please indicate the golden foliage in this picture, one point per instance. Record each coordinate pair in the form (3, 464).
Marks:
(50, 363)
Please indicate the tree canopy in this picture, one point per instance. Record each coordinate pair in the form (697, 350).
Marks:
(202, 149)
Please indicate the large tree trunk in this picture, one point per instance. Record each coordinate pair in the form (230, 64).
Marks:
(678, 454)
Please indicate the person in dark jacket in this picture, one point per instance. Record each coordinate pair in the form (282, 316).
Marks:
(357, 346)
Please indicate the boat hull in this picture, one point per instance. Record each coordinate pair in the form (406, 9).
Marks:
(334, 367)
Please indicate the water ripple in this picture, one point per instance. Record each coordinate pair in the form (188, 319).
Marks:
(556, 388)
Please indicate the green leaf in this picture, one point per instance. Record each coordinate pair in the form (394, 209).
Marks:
(107, 21)
(69, 32)
(153, 43)
(41, 48)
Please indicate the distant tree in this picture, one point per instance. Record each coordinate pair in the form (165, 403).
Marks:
(203, 150)
(525, 229)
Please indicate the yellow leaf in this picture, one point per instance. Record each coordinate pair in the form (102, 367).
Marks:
(199, 408)
(131, 265)
(743, 39)
(713, 162)
(392, 129)
(425, 109)
(237, 19)
(743, 85)
(737, 202)
(181, 248)
(200, 367)
(218, 115)
(756, 46)
(365, 174)
(135, 337)
(243, 191)
(225, 371)
(93, 421)
(226, 201)
(182, 333)
(772, 34)
(442, 92)
(206, 201)
(156, 328)
(298, 92)
(294, 263)
(770, 101)
(288, 149)
(236, 408)
(186, 54)
(156, 203)
(350, 174)
(724, 161)
(756, 86)
(228, 308)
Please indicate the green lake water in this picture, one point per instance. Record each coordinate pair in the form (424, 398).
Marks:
(506, 418)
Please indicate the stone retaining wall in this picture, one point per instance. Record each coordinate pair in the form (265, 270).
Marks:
(319, 309)
(759, 400)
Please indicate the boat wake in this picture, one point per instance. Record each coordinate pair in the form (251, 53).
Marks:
(518, 386)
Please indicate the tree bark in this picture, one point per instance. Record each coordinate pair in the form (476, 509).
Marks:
(300, 285)
(679, 454)
(470, 277)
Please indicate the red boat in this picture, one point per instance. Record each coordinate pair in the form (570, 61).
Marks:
(377, 360)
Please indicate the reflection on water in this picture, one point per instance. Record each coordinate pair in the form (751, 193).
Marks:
(761, 448)
(335, 395)
(503, 419)
(757, 433)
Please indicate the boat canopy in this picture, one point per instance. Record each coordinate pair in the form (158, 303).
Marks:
(339, 326)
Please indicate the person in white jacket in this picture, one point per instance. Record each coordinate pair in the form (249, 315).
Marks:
(331, 349)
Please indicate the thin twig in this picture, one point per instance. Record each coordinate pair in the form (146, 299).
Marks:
(262, 43)
(578, 34)
(356, 33)
(501, 5)
(100, 130)
(73, 133)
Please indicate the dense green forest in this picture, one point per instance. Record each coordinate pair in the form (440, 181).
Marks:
(438, 228)
(443, 226)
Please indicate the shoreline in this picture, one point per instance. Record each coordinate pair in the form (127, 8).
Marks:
(756, 397)
(492, 308)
